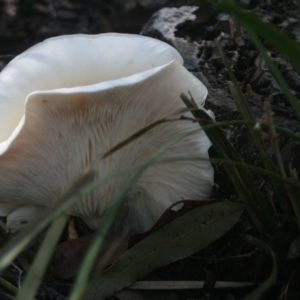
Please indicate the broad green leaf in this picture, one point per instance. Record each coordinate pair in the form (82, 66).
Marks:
(179, 239)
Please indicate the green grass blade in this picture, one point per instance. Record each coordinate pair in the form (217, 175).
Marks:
(40, 264)
(279, 189)
(293, 196)
(260, 124)
(276, 73)
(231, 163)
(8, 287)
(256, 294)
(258, 208)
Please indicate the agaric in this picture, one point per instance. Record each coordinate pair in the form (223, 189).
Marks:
(69, 99)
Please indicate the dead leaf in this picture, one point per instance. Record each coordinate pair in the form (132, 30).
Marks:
(69, 255)
(72, 233)
(236, 32)
(294, 250)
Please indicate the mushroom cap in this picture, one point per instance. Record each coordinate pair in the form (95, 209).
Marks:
(63, 130)
(75, 60)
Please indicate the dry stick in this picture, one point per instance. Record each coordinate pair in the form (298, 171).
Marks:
(185, 285)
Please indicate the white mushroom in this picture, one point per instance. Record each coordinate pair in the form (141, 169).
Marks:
(69, 99)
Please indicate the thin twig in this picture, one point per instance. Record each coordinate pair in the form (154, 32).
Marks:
(186, 285)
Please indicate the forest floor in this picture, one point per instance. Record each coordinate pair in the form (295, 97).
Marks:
(27, 22)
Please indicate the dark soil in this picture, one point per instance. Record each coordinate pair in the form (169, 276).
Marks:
(27, 22)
